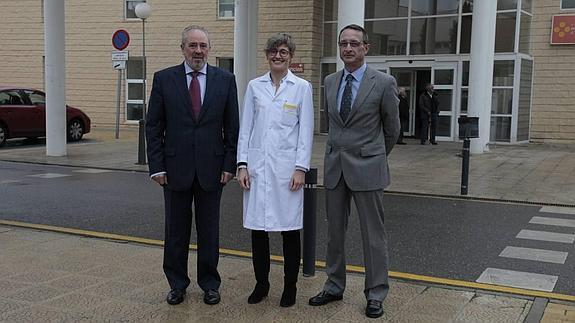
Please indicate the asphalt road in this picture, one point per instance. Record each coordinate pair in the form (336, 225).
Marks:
(448, 238)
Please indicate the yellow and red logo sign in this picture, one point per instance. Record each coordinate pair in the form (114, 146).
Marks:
(563, 30)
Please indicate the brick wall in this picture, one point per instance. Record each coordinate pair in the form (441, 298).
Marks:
(553, 103)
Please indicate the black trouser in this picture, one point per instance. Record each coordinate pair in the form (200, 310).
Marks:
(261, 256)
(177, 239)
(425, 130)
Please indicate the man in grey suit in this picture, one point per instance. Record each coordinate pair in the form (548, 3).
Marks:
(362, 107)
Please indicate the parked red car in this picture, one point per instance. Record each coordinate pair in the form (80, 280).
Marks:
(23, 115)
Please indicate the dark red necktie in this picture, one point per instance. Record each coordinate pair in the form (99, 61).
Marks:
(195, 94)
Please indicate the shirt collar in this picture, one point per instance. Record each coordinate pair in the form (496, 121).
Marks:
(190, 70)
(357, 74)
(290, 77)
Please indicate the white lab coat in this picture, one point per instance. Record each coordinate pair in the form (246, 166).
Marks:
(276, 135)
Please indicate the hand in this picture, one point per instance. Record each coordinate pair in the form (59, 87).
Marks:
(226, 177)
(161, 179)
(244, 178)
(297, 180)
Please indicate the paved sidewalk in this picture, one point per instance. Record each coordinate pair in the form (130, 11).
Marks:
(534, 172)
(55, 277)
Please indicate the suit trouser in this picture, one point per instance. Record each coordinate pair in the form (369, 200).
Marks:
(177, 236)
(370, 210)
(428, 129)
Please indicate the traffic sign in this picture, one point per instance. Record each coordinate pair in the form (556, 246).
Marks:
(119, 65)
(119, 55)
(120, 39)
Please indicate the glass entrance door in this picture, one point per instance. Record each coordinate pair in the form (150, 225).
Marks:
(443, 77)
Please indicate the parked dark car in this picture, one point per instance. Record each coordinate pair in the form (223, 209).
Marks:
(23, 115)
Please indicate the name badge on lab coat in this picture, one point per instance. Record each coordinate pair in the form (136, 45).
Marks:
(290, 108)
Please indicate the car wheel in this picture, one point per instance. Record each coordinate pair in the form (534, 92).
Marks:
(3, 134)
(75, 130)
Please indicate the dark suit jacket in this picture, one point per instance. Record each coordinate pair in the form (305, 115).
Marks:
(184, 147)
(428, 104)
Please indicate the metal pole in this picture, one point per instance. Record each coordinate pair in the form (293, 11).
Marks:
(118, 95)
(465, 167)
(309, 222)
(142, 123)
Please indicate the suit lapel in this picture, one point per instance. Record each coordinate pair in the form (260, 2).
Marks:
(332, 99)
(181, 82)
(211, 83)
(365, 87)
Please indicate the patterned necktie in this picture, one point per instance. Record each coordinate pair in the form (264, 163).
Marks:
(345, 108)
(195, 94)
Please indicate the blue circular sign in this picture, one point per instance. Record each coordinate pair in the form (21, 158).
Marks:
(120, 39)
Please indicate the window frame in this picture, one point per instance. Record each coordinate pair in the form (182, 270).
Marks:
(232, 17)
(566, 9)
(126, 10)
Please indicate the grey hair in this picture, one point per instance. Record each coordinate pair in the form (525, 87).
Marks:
(194, 27)
(279, 39)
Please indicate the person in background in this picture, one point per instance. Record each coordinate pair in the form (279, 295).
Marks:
(274, 152)
(429, 113)
(403, 114)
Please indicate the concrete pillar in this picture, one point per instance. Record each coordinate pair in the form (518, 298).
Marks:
(481, 70)
(245, 44)
(55, 82)
(348, 12)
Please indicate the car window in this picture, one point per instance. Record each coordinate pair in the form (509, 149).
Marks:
(11, 98)
(36, 98)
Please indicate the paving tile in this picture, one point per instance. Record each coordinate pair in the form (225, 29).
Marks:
(9, 287)
(36, 294)
(38, 276)
(37, 314)
(74, 282)
(111, 289)
(9, 305)
(76, 302)
(491, 308)
(107, 271)
(142, 278)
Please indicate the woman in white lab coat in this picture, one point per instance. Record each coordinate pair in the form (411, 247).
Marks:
(274, 152)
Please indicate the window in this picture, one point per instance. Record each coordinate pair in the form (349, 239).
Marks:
(524, 109)
(502, 100)
(226, 9)
(387, 37)
(567, 4)
(36, 98)
(11, 98)
(226, 63)
(434, 35)
(134, 88)
(130, 8)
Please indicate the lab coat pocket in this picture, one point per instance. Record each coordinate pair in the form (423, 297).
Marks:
(289, 119)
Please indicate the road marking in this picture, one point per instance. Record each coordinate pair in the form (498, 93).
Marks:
(546, 236)
(319, 264)
(556, 257)
(93, 171)
(553, 221)
(49, 175)
(10, 181)
(557, 209)
(518, 279)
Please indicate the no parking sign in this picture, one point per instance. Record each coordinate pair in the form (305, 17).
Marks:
(120, 39)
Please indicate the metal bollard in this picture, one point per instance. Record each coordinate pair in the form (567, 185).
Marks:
(142, 142)
(465, 167)
(309, 222)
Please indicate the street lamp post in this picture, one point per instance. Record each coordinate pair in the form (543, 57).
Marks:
(143, 11)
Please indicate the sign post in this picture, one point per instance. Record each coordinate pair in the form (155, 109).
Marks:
(120, 41)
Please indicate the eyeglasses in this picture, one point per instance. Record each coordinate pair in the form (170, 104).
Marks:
(353, 44)
(202, 46)
(274, 52)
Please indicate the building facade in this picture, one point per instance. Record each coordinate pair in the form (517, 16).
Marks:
(417, 41)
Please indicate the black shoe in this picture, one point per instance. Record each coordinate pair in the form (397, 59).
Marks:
(374, 309)
(422, 143)
(212, 297)
(176, 296)
(402, 143)
(260, 292)
(324, 298)
(288, 296)
(434, 142)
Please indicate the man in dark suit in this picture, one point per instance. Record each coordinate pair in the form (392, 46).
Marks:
(429, 113)
(362, 106)
(192, 131)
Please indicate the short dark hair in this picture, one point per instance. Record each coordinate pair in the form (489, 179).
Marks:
(365, 38)
(279, 39)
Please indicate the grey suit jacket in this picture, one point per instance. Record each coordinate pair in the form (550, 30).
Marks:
(357, 149)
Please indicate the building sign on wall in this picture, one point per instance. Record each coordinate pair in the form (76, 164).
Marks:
(296, 68)
(563, 30)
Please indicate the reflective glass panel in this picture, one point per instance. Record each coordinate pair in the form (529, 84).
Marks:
(505, 32)
(524, 111)
(135, 91)
(386, 8)
(525, 34)
(135, 68)
(330, 40)
(465, 44)
(464, 100)
(443, 77)
(387, 37)
(444, 126)
(330, 10)
(467, 6)
(134, 111)
(502, 101)
(500, 129)
(567, 4)
(434, 35)
(506, 4)
(226, 9)
(527, 5)
(444, 98)
(503, 73)
(434, 7)
(465, 74)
